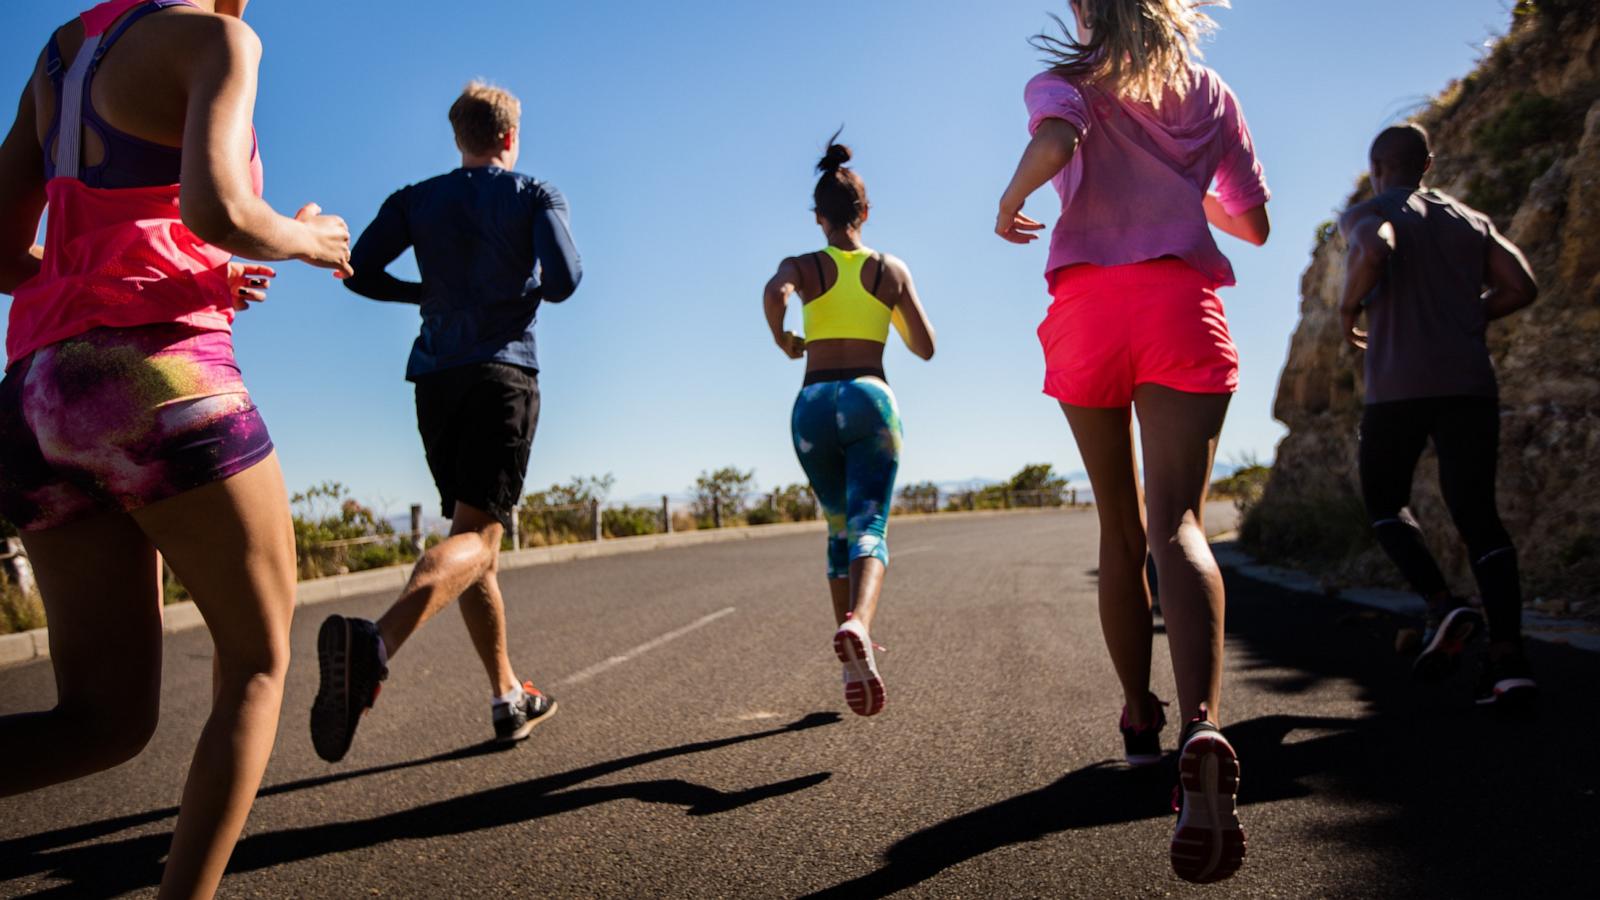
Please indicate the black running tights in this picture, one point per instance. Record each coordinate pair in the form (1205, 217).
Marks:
(1466, 436)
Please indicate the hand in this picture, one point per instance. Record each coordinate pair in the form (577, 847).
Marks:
(330, 241)
(1012, 225)
(792, 345)
(248, 283)
(1353, 335)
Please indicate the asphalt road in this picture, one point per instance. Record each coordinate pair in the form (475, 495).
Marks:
(703, 749)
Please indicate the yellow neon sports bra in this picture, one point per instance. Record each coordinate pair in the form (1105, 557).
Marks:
(848, 309)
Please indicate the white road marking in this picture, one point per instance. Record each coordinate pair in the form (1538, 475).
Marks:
(646, 647)
(908, 551)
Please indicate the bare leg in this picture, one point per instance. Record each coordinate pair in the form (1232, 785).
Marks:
(839, 592)
(866, 584)
(443, 574)
(1105, 441)
(1179, 433)
(484, 611)
(232, 543)
(105, 647)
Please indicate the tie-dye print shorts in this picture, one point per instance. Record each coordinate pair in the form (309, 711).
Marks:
(118, 418)
(847, 435)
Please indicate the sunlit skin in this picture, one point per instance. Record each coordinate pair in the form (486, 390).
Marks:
(859, 593)
(185, 78)
(1179, 433)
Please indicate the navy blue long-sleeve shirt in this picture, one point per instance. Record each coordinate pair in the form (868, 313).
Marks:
(491, 245)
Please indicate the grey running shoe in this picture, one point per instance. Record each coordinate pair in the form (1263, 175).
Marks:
(513, 721)
(1507, 684)
(1443, 642)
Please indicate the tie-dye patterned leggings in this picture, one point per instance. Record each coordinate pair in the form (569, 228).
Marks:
(847, 435)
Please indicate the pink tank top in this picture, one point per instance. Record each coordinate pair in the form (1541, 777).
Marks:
(114, 257)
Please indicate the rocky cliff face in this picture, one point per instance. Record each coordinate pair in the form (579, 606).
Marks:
(1519, 138)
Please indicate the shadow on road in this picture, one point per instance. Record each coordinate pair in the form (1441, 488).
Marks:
(1449, 800)
(117, 867)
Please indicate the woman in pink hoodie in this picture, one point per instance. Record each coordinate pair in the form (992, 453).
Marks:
(1133, 133)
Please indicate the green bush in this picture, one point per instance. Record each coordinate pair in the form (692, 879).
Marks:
(19, 611)
(922, 497)
(628, 521)
(1244, 487)
(1317, 531)
(326, 514)
(722, 492)
(562, 513)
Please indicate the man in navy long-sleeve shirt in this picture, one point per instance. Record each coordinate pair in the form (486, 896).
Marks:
(491, 244)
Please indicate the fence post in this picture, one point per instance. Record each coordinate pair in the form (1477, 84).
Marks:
(416, 528)
(666, 515)
(18, 567)
(516, 527)
(716, 512)
(1074, 496)
(1006, 499)
(594, 516)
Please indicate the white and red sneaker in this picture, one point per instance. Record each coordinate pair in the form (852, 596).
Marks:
(863, 687)
(1208, 844)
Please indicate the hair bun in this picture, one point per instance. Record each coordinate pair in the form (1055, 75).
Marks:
(835, 158)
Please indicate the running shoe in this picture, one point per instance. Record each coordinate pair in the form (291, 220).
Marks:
(1208, 844)
(513, 721)
(1142, 746)
(1443, 642)
(350, 660)
(1507, 683)
(863, 688)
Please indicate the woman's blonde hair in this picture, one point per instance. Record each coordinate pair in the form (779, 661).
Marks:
(1139, 48)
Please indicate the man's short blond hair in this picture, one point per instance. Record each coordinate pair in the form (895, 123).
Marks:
(483, 115)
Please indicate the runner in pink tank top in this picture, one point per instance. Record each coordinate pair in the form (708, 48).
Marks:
(1133, 132)
(126, 432)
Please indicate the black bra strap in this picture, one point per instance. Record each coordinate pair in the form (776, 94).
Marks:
(822, 279)
(878, 279)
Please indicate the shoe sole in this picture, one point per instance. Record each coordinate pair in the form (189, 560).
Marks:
(863, 688)
(1208, 844)
(1512, 695)
(333, 722)
(1442, 656)
(521, 734)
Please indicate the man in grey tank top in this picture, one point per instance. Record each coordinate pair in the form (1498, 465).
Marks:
(1430, 273)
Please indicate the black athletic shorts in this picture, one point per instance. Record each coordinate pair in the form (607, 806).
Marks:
(477, 425)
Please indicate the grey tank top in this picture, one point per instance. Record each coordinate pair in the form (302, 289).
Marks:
(1426, 321)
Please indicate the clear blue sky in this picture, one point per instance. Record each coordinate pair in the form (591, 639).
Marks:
(684, 136)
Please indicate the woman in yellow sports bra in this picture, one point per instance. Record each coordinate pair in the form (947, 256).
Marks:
(846, 426)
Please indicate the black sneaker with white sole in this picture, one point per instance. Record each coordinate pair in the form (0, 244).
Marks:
(513, 721)
(1507, 683)
(350, 661)
(1443, 642)
(1142, 746)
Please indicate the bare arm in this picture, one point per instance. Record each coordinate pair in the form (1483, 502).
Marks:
(909, 318)
(22, 198)
(775, 301)
(1048, 153)
(216, 199)
(1510, 279)
(1251, 226)
(1371, 241)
